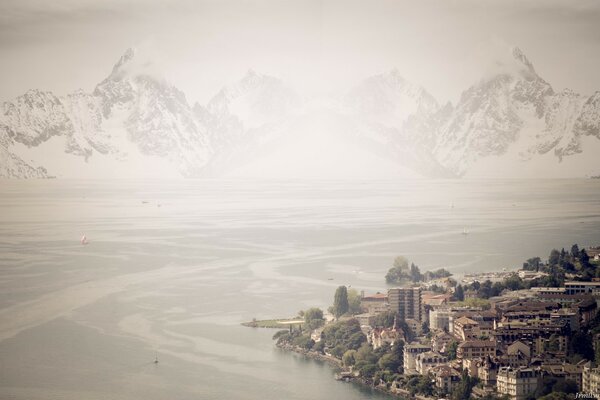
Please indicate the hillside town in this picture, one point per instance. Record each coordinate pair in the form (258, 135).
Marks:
(532, 333)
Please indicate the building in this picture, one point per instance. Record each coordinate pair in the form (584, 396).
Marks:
(427, 360)
(406, 302)
(517, 383)
(518, 354)
(548, 290)
(440, 319)
(565, 371)
(440, 341)
(380, 336)
(593, 252)
(579, 287)
(476, 349)
(485, 320)
(588, 309)
(590, 379)
(465, 328)
(488, 371)
(374, 304)
(567, 316)
(411, 351)
(446, 378)
(541, 339)
(366, 319)
(530, 275)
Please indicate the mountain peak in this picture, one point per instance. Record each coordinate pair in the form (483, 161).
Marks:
(519, 56)
(125, 58)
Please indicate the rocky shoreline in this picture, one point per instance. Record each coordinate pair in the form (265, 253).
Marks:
(337, 365)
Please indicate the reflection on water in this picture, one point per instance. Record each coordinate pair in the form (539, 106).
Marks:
(174, 267)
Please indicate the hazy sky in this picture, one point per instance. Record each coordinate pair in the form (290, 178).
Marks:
(317, 46)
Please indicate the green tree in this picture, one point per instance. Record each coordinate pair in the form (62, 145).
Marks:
(304, 342)
(415, 274)
(313, 317)
(575, 251)
(425, 385)
(451, 350)
(554, 257)
(399, 271)
(354, 301)
(368, 370)
(459, 293)
(340, 301)
(390, 362)
(464, 388)
(566, 386)
(348, 359)
(581, 344)
(555, 396)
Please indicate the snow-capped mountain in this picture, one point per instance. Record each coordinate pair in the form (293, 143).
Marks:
(133, 124)
(399, 118)
(245, 119)
(510, 123)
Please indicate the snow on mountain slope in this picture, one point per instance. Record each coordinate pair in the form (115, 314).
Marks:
(243, 118)
(134, 121)
(510, 123)
(14, 167)
(514, 113)
(401, 117)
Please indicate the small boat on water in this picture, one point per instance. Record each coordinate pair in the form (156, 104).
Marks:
(84, 240)
(465, 231)
(156, 358)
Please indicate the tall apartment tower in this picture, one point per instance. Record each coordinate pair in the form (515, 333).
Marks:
(406, 302)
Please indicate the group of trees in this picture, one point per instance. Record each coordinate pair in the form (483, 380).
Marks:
(401, 272)
(563, 262)
(383, 363)
(313, 318)
(345, 301)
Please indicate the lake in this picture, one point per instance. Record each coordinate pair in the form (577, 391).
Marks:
(173, 267)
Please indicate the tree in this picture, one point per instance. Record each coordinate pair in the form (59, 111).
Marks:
(532, 264)
(340, 301)
(348, 359)
(575, 251)
(425, 327)
(554, 257)
(425, 385)
(399, 271)
(555, 396)
(313, 317)
(390, 362)
(368, 370)
(415, 274)
(566, 386)
(464, 388)
(459, 293)
(514, 282)
(304, 342)
(354, 301)
(451, 350)
(385, 319)
(581, 344)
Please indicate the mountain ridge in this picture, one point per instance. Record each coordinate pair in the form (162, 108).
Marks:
(134, 119)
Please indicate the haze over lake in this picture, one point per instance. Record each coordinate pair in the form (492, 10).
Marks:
(173, 267)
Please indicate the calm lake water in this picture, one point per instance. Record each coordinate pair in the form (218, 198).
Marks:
(173, 268)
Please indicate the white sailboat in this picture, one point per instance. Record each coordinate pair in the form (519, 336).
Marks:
(465, 231)
(84, 240)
